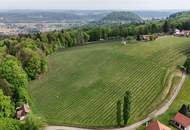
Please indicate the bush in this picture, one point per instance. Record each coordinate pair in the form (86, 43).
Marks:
(10, 124)
(187, 65)
(6, 108)
(33, 123)
(11, 70)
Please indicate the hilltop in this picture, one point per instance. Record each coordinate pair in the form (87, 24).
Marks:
(180, 17)
(122, 17)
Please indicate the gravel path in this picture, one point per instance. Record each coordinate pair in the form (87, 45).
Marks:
(156, 113)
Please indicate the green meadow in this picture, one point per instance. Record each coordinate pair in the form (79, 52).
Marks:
(84, 83)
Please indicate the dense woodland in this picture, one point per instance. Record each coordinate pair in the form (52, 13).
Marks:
(24, 58)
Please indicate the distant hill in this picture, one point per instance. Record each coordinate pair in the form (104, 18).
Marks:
(148, 15)
(52, 16)
(122, 17)
(180, 16)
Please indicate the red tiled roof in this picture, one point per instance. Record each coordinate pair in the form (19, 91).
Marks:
(182, 119)
(156, 125)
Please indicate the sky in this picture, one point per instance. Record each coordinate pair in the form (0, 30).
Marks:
(96, 4)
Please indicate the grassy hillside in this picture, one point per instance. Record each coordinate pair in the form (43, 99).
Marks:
(84, 83)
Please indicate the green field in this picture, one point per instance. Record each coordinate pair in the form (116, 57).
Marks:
(84, 83)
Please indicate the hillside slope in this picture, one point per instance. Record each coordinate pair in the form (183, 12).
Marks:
(84, 83)
(181, 18)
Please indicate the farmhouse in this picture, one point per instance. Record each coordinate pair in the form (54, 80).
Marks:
(146, 37)
(186, 32)
(177, 32)
(149, 37)
(21, 112)
(156, 125)
(182, 33)
(181, 122)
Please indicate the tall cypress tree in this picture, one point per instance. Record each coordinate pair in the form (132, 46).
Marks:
(119, 113)
(126, 107)
(184, 110)
(166, 27)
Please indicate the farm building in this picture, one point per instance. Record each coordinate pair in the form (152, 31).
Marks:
(181, 122)
(186, 32)
(21, 112)
(146, 37)
(149, 37)
(156, 125)
(177, 32)
(182, 33)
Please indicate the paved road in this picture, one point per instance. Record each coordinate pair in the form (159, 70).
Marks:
(156, 113)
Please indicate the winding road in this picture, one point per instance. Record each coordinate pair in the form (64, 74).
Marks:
(154, 114)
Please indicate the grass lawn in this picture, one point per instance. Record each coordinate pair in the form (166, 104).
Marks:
(84, 83)
(182, 98)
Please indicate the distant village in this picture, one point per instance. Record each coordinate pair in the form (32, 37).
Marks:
(25, 28)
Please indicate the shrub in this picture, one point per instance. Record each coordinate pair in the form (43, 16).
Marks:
(6, 107)
(10, 124)
(33, 123)
(187, 65)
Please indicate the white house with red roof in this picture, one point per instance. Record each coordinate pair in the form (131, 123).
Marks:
(156, 125)
(181, 122)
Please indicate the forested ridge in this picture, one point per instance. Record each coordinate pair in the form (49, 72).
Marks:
(124, 16)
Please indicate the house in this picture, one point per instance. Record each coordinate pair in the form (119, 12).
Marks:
(146, 37)
(149, 37)
(181, 122)
(186, 32)
(21, 112)
(156, 125)
(182, 33)
(177, 32)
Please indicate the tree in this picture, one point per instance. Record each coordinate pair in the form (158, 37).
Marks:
(11, 70)
(119, 113)
(138, 38)
(166, 27)
(33, 66)
(187, 64)
(6, 107)
(10, 47)
(184, 110)
(126, 107)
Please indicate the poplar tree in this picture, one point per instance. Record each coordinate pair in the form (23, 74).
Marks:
(126, 107)
(119, 113)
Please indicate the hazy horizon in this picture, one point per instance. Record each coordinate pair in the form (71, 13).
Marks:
(95, 5)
